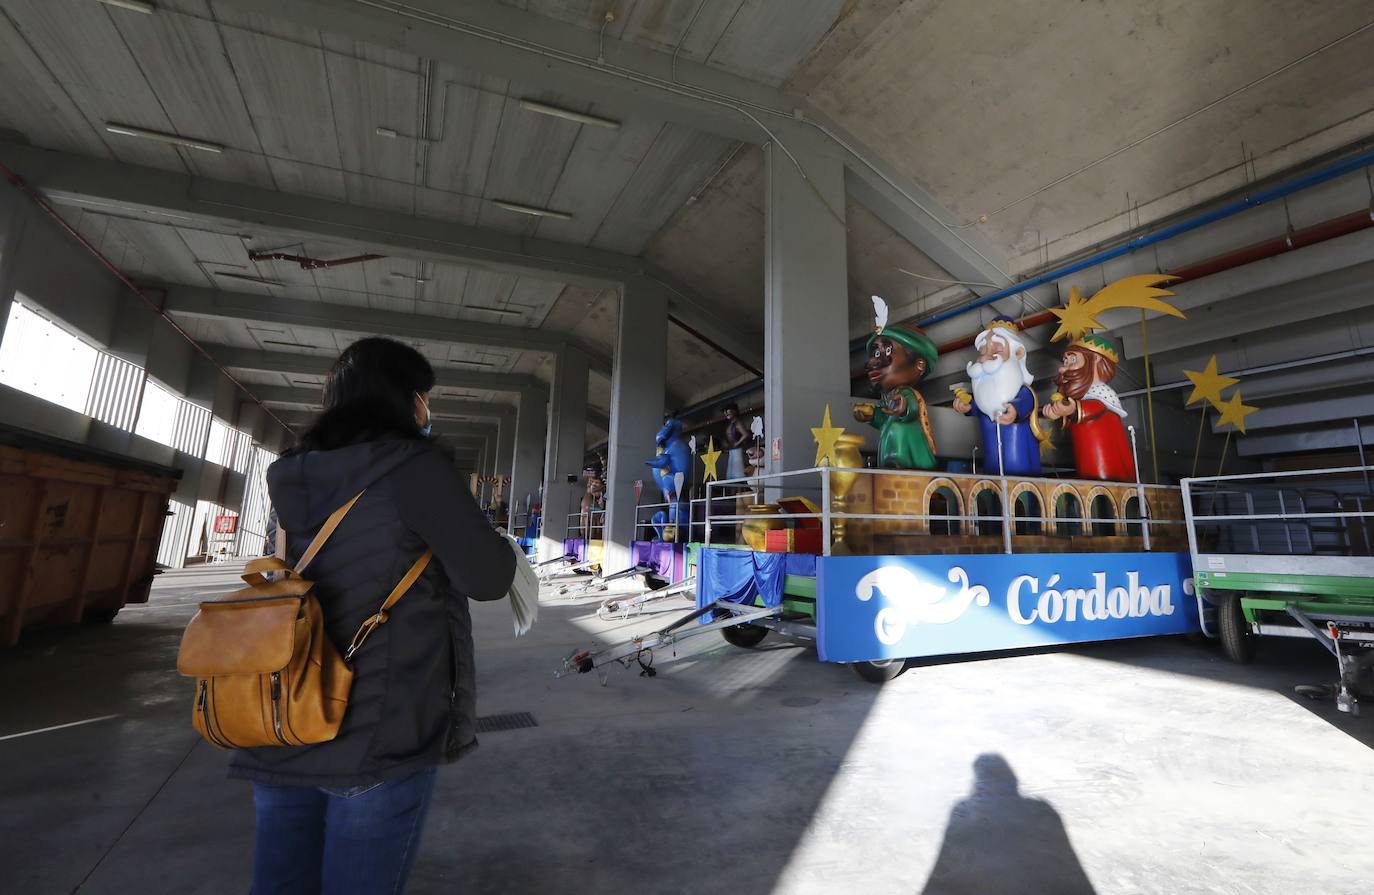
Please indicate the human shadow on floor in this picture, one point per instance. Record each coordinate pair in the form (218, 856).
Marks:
(998, 840)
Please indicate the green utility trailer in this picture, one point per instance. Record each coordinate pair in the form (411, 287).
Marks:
(1288, 555)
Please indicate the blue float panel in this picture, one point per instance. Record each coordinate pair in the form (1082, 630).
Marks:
(870, 608)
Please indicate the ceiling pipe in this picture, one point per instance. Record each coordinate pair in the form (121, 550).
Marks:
(1295, 239)
(20, 184)
(1230, 209)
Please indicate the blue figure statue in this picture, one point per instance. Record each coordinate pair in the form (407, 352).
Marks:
(674, 458)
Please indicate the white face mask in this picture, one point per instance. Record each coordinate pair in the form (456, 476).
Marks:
(429, 419)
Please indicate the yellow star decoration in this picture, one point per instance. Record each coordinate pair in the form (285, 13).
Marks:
(709, 458)
(1234, 412)
(827, 438)
(1079, 316)
(1209, 384)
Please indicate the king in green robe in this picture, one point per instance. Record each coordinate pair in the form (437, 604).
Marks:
(899, 357)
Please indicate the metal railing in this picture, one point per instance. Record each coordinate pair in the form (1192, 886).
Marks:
(1281, 501)
(1007, 520)
(592, 523)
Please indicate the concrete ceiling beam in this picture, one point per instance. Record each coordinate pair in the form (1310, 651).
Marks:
(110, 187)
(918, 218)
(313, 365)
(1308, 411)
(114, 187)
(1302, 441)
(543, 53)
(628, 79)
(448, 429)
(440, 407)
(213, 304)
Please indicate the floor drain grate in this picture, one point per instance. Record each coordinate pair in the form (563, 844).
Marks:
(512, 721)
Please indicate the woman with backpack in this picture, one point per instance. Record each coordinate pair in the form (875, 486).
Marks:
(345, 815)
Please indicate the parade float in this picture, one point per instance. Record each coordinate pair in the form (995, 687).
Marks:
(909, 560)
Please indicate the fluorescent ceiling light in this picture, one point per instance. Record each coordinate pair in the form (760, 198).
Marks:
(520, 208)
(492, 310)
(132, 5)
(128, 131)
(531, 105)
(285, 344)
(475, 363)
(387, 132)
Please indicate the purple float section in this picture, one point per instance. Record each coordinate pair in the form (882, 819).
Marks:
(872, 608)
(668, 560)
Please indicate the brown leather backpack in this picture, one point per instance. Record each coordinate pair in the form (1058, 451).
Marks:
(266, 673)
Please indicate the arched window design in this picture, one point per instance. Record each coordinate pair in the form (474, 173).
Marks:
(1131, 513)
(1103, 515)
(987, 506)
(944, 501)
(1028, 513)
(1068, 514)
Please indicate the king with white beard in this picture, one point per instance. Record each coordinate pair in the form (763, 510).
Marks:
(1003, 401)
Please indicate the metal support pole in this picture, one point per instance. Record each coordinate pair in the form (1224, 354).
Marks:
(825, 509)
(1006, 506)
(1140, 492)
(1359, 443)
(708, 513)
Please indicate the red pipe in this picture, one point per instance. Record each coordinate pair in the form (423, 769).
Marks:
(133, 287)
(1296, 239)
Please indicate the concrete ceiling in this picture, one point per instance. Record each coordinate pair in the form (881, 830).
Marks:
(1035, 133)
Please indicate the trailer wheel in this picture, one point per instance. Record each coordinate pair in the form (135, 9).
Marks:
(1236, 640)
(879, 672)
(100, 616)
(745, 636)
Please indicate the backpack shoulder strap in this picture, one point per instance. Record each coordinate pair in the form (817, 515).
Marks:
(325, 531)
(375, 621)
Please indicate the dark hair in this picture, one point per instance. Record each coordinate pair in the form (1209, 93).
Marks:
(731, 406)
(369, 394)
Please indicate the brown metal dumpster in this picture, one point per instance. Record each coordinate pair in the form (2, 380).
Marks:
(79, 531)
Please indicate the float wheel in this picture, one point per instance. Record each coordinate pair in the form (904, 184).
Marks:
(879, 672)
(745, 636)
(1236, 640)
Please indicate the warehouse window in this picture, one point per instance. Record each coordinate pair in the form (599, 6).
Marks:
(44, 360)
(229, 447)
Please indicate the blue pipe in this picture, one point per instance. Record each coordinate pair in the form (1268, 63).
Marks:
(1341, 168)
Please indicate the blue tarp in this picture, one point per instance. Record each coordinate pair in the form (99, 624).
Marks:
(739, 576)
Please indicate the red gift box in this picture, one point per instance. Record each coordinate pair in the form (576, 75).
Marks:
(793, 540)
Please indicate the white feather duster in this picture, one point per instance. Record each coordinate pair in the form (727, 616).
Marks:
(879, 313)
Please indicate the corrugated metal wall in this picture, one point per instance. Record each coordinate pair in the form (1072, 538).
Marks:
(39, 356)
(256, 505)
(116, 390)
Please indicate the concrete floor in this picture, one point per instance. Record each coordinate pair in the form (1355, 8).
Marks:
(1149, 766)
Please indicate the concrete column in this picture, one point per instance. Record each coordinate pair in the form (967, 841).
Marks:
(14, 212)
(806, 324)
(531, 430)
(637, 392)
(567, 436)
(505, 456)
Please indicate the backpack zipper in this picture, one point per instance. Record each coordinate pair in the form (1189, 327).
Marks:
(203, 705)
(276, 707)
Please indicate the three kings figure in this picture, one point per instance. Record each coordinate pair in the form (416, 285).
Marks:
(1002, 400)
(1089, 408)
(899, 357)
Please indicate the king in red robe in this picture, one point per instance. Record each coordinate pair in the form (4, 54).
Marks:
(1090, 409)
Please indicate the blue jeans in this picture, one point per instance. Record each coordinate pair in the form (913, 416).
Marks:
(338, 841)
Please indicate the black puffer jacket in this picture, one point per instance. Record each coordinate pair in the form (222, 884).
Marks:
(413, 699)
